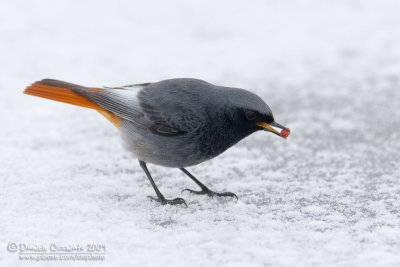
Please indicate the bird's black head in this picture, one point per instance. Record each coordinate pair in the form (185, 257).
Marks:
(248, 113)
(235, 114)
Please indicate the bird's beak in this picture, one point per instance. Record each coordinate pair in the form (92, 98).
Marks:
(268, 127)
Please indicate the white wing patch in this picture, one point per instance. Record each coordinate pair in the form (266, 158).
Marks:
(121, 101)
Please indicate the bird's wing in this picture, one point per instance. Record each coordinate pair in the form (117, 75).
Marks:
(160, 111)
(172, 110)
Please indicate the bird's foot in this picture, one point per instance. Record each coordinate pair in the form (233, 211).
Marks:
(210, 193)
(164, 201)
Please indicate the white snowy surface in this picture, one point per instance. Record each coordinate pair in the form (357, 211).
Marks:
(327, 196)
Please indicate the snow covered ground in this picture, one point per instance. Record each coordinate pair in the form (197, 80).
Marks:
(327, 196)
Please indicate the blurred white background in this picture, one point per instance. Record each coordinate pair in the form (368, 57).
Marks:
(328, 196)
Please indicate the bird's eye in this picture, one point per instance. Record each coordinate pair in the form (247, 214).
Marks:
(250, 115)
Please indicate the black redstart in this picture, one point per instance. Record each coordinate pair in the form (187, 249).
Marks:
(174, 123)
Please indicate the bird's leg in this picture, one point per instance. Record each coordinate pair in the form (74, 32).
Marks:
(204, 189)
(160, 198)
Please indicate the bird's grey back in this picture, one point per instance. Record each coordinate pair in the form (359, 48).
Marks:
(197, 95)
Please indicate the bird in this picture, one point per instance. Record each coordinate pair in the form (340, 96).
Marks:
(174, 123)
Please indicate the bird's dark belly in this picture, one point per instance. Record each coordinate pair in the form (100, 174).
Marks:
(215, 140)
(214, 144)
(203, 145)
(183, 150)
(168, 151)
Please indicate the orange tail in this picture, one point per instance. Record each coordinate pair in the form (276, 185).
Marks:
(66, 92)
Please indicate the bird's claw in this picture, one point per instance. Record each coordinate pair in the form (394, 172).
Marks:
(164, 201)
(210, 193)
(227, 194)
